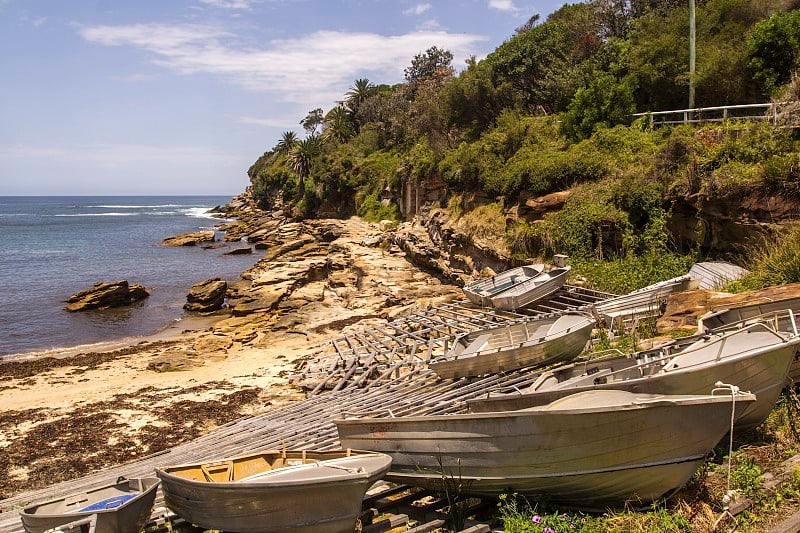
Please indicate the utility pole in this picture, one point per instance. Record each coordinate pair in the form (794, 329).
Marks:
(692, 41)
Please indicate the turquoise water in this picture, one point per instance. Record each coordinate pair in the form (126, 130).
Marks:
(55, 246)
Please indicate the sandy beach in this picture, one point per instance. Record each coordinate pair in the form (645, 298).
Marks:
(69, 412)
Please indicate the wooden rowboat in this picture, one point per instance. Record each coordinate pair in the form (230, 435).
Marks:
(754, 357)
(120, 507)
(589, 450)
(536, 342)
(480, 292)
(298, 491)
(531, 290)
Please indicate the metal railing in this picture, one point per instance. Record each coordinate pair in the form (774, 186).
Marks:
(713, 114)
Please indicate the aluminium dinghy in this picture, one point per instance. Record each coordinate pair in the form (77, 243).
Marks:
(480, 292)
(591, 450)
(298, 491)
(120, 507)
(531, 290)
(504, 348)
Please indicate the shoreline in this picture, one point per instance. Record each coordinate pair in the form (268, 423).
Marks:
(170, 331)
(101, 404)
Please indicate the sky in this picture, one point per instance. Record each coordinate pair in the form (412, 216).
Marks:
(156, 97)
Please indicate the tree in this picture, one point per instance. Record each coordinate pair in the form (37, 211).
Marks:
(358, 93)
(312, 121)
(338, 125)
(774, 50)
(426, 64)
(288, 140)
(605, 102)
(529, 24)
(301, 157)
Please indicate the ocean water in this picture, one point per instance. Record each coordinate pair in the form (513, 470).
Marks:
(52, 247)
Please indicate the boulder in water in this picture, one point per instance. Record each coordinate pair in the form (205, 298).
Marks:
(103, 295)
(189, 239)
(208, 295)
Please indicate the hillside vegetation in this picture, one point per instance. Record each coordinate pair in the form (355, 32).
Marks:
(551, 110)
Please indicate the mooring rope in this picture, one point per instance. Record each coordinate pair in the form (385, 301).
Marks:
(729, 494)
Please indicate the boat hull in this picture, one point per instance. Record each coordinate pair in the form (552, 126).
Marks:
(128, 518)
(589, 459)
(480, 292)
(530, 291)
(762, 372)
(314, 504)
(507, 355)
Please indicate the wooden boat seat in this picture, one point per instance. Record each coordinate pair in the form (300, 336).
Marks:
(218, 472)
(74, 499)
(477, 345)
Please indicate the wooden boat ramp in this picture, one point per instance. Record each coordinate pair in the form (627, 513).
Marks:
(376, 353)
(307, 424)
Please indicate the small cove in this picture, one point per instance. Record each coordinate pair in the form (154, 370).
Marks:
(55, 246)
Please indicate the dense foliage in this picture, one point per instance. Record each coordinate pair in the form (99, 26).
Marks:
(551, 109)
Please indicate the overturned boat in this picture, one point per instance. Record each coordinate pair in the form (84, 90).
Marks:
(531, 290)
(753, 356)
(480, 292)
(123, 506)
(298, 491)
(504, 348)
(591, 450)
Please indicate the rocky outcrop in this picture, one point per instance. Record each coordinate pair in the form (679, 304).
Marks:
(240, 251)
(190, 239)
(206, 296)
(103, 295)
(684, 309)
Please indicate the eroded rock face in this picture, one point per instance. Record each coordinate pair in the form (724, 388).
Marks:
(208, 295)
(103, 295)
(684, 309)
(190, 239)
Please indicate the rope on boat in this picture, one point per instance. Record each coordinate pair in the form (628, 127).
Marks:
(729, 494)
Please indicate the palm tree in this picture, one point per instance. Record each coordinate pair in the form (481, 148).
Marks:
(301, 156)
(288, 140)
(360, 91)
(339, 125)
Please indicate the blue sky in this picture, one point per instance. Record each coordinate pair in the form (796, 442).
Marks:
(180, 97)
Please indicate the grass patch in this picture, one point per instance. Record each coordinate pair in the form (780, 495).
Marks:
(776, 261)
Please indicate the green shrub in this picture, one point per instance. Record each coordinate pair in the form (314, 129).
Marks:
(372, 209)
(745, 474)
(781, 173)
(627, 274)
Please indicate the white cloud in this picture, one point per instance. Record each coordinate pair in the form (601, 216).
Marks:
(228, 4)
(314, 69)
(430, 25)
(38, 21)
(418, 9)
(503, 5)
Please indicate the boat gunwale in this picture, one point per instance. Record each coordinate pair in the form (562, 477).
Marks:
(660, 400)
(164, 473)
(752, 352)
(549, 336)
